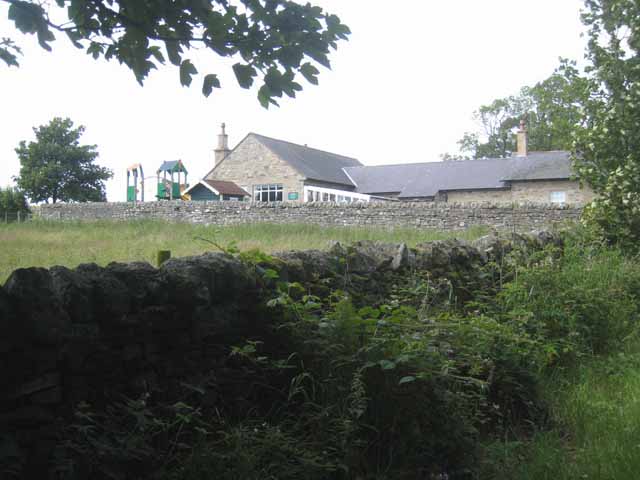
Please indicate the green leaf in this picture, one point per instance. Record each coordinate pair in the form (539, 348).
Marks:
(74, 37)
(187, 70)
(30, 18)
(264, 96)
(26, 16)
(9, 58)
(310, 72)
(174, 50)
(244, 74)
(407, 379)
(386, 364)
(210, 82)
(156, 53)
(270, 274)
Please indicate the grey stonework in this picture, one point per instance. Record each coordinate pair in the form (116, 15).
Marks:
(251, 164)
(427, 215)
(533, 191)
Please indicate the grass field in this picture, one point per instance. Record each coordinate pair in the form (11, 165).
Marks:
(596, 435)
(45, 244)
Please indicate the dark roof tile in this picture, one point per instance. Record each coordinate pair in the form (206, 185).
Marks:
(427, 179)
(312, 163)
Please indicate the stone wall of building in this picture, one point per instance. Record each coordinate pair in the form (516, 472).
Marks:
(431, 215)
(251, 164)
(541, 191)
(533, 191)
(470, 196)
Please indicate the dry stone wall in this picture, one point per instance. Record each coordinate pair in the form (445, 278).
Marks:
(446, 216)
(92, 335)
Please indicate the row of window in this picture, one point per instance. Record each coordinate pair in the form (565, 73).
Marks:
(315, 196)
(275, 193)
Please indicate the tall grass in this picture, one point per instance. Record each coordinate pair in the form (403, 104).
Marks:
(596, 434)
(587, 309)
(44, 244)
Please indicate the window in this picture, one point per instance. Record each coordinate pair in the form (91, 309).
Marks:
(558, 197)
(267, 193)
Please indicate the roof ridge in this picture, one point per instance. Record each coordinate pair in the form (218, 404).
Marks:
(302, 146)
(550, 151)
(443, 162)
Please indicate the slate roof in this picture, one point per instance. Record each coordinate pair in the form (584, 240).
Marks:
(312, 163)
(386, 178)
(227, 188)
(427, 179)
(542, 166)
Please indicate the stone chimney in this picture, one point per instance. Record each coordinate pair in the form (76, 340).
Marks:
(522, 140)
(223, 146)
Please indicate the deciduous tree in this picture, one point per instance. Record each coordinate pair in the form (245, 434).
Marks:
(608, 147)
(273, 40)
(552, 109)
(55, 167)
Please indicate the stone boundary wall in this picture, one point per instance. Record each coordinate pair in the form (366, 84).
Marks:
(443, 216)
(92, 334)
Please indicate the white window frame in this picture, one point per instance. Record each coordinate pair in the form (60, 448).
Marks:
(273, 192)
(322, 194)
(558, 197)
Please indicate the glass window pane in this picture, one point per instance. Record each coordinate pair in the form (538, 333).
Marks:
(558, 197)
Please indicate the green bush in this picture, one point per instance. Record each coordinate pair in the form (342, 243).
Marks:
(585, 302)
(12, 202)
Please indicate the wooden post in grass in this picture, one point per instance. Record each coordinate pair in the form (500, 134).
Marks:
(163, 256)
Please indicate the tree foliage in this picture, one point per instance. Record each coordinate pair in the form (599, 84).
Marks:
(552, 108)
(608, 147)
(57, 168)
(12, 201)
(273, 40)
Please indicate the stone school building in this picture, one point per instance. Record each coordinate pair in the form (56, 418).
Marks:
(264, 169)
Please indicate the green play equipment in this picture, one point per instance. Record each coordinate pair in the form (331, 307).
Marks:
(170, 186)
(134, 171)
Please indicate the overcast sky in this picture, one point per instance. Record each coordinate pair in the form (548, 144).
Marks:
(402, 89)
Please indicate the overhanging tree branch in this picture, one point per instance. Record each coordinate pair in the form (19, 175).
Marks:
(275, 42)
